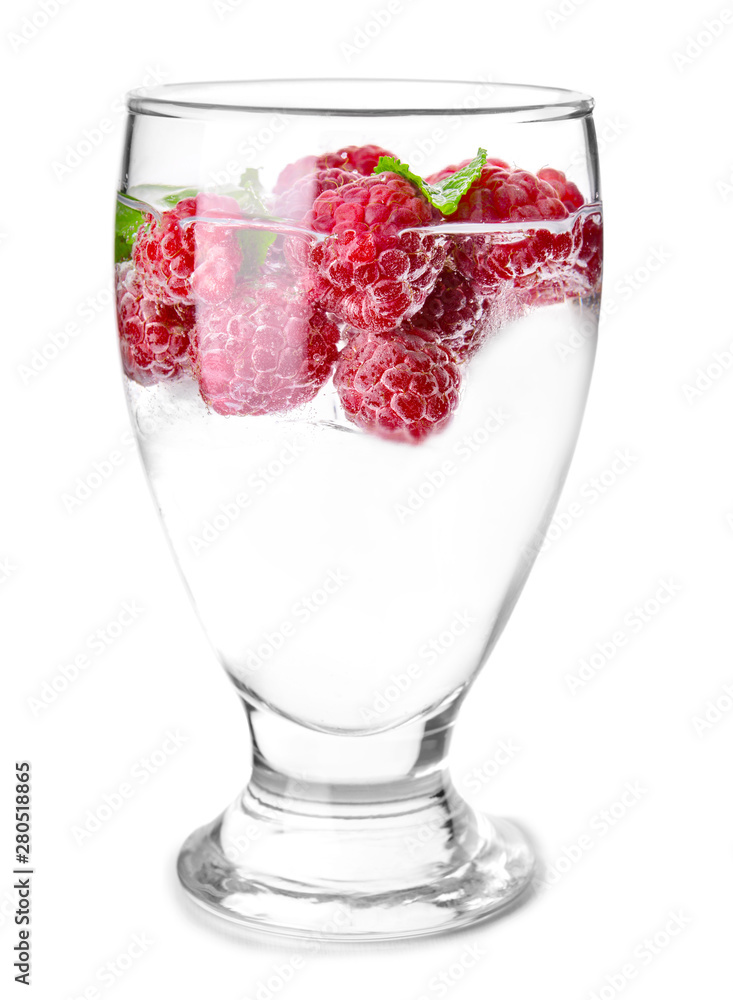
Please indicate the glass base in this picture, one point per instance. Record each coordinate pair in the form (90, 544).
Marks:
(334, 860)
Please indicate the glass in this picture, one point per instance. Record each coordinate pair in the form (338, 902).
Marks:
(356, 399)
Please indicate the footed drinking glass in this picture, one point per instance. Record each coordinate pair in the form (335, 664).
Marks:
(344, 310)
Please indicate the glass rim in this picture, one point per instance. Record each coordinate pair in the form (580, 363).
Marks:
(528, 102)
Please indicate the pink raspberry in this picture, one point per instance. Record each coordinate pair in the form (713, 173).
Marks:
(375, 268)
(265, 350)
(568, 193)
(362, 159)
(182, 263)
(296, 201)
(403, 386)
(154, 337)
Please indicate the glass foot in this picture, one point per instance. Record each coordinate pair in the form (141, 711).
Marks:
(398, 858)
(479, 887)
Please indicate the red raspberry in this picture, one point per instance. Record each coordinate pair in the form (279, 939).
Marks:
(362, 159)
(402, 386)
(568, 262)
(456, 314)
(462, 318)
(568, 193)
(376, 268)
(154, 337)
(570, 265)
(540, 265)
(265, 350)
(180, 263)
(503, 194)
(448, 171)
(295, 202)
(494, 262)
(589, 257)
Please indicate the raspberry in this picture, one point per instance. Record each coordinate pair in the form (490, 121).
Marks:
(456, 314)
(370, 272)
(402, 386)
(590, 249)
(566, 191)
(447, 171)
(540, 265)
(503, 194)
(181, 263)
(462, 318)
(296, 201)
(265, 350)
(571, 265)
(493, 262)
(567, 262)
(154, 337)
(362, 159)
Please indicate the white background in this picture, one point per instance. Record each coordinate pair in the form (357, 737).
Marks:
(667, 169)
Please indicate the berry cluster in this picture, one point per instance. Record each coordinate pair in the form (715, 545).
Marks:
(361, 281)
(192, 302)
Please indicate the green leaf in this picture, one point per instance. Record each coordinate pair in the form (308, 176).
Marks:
(444, 195)
(254, 242)
(178, 195)
(248, 195)
(250, 191)
(127, 222)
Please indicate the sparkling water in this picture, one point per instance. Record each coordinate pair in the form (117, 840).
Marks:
(353, 582)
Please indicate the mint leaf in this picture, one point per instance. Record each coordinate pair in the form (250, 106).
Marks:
(174, 197)
(250, 191)
(254, 242)
(444, 195)
(248, 195)
(127, 222)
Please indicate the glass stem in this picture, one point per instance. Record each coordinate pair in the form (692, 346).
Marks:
(349, 801)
